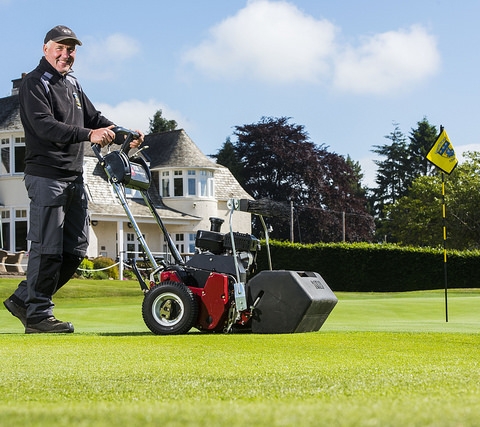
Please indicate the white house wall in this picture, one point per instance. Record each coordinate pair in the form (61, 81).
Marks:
(13, 192)
(104, 238)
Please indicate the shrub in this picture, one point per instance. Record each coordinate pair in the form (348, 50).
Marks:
(107, 268)
(85, 269)
(100, 275)
(129, 274)
(368, 267)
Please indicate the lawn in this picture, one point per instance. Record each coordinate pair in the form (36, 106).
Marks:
(379, 360)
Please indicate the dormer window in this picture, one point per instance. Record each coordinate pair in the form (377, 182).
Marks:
(187, 183)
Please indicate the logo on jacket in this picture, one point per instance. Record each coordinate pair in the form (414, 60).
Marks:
(77, 100)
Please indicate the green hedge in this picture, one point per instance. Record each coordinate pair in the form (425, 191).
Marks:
(364, 267)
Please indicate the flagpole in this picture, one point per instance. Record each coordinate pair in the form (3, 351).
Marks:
(442, 155)
(445, 246)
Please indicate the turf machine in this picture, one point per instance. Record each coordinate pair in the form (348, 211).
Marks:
(217, 289)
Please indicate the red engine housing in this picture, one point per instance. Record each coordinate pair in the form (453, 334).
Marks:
(213, 300)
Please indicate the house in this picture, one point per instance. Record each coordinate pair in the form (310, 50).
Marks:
(13, 196)
(187, 189)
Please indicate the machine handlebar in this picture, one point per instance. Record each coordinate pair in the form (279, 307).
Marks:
(129, 134)
(124, 131)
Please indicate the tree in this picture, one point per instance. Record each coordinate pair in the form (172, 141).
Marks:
(403, 162)
(357, 187)
(161, 124)
(392, 172)
(280, 163)
(463, 204)
(227, 156)
(417, 219)
(421, 141)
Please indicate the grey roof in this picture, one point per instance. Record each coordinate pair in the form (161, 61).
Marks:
(227, 187)
(175, 149)
(10, 114)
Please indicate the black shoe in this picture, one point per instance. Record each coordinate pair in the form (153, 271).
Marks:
(16, 310)
(49, 325)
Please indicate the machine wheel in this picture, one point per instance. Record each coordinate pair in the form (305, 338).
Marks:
(169, 308)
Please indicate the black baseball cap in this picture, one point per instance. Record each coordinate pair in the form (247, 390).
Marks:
(60, 33)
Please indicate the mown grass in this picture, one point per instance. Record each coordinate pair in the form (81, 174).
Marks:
(379, 360)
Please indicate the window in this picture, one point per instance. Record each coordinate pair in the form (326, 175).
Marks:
(133, 246)
(12, 161)
(5, 243)
(179, 242)
(166, 184)
(20, 230)
(206, 183)
(191, 242)
(14, 230)
(19, 155)
(187, 183)
(178, 183)
(5, 154)
(191, 183)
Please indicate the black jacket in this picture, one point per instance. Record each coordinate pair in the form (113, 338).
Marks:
(57, 118)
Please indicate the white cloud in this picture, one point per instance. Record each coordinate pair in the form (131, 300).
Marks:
(101, 59)
(387, 61)
(135, 114)
(269, 41)
(275, 42)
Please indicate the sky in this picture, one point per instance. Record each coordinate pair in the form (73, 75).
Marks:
(348, 71)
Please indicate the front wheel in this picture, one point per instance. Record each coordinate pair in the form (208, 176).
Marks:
(169, 308)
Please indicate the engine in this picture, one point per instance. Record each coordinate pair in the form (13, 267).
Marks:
(215, 250)
(217, 243)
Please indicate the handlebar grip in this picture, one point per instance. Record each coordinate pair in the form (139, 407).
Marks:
(124, 131)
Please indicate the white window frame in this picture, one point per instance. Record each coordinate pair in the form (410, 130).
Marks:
(197, 183)
(11, 144)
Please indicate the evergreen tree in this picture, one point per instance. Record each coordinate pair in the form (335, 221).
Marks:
(421, 141)
(392, 172)
(161, 124)
(403, 162)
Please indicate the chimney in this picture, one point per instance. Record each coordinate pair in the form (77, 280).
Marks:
(16, 84)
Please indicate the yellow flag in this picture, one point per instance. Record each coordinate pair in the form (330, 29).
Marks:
(442, 154)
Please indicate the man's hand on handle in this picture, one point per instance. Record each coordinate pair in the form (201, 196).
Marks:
(105, 136)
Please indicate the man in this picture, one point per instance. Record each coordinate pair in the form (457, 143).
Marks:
(57, 118)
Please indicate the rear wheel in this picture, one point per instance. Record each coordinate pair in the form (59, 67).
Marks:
(169, 308)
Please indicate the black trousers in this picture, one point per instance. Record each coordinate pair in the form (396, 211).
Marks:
(58, 235)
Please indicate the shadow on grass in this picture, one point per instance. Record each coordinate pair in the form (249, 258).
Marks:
(193, 332)
(123, 334)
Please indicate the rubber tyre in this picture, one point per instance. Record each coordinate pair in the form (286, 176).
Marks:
(170, 308)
